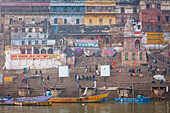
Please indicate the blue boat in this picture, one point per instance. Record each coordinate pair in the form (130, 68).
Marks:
(145, 99)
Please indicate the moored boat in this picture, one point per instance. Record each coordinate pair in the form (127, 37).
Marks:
(145, 99)
(49, 103)
(33, 99)
(5, 101)
(88, 99)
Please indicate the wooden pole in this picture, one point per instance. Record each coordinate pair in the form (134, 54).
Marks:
(115, 73)
(135, 72)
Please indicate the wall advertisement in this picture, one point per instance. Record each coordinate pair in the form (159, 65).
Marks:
(155, 38)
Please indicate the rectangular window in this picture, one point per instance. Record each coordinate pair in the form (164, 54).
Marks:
(147, 6)
(65, 9)
(167, 18)
(123, 20)
(77, 21)
(16, 30)
(138, 26)
(100, 21)
(55, 21)
(77, 9)
(148, 28)
(36, 42)
(159, 18)
(32, 7)
(110, 21)
(46, 7)
(9, 28)
(30, 30)
(122, 10)
(107, 40)
(29, 42)
(23, 30)
(92, 38)
(20, 18)
(158, 6)
(135, 10)
(10, 20)
(65, 21)
(43, 42)
(159, 28)
(90, 21)
(33, 19)
(23, 42)
(44, 30)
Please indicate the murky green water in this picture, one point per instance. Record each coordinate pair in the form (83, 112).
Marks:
(108, 107)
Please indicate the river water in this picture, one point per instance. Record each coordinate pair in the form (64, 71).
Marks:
(107, 107)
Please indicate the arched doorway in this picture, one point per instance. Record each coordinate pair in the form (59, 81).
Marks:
(137, 44)
(50, 51)
(43, 51)
(36, 51)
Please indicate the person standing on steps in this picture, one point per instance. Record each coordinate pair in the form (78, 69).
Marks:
(48, 79)
(40, 72)
(42, 79)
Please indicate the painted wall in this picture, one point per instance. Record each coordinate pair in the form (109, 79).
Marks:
(95, 19)
(71, 19)
(96, 10)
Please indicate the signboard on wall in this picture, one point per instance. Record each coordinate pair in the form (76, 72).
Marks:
(35, 56)
(105, 70)
(63, 71)
(7, 79)
(155, 38)
(86, 43)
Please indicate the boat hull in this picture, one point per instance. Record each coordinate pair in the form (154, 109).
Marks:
(49, 103)
(6, 101)
(146, 99)
(89, 99)
(33, 99)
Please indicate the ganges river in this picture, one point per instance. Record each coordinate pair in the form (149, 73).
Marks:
(107, 107)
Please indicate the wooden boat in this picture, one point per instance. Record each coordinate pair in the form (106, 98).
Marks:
(88, 99)
(5, 101)
(49, 103)
(145, 99)
(33, 99)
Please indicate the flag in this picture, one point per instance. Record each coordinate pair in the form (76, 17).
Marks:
(98, 36)
(134, 61)
(113, 63)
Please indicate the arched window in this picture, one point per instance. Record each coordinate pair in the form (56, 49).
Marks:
(141, 56)
(36, 51)
(43, 51)
(137, 44)
(126, 56)
(50, 51)
(133, 56)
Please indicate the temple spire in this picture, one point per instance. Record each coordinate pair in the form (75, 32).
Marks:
(128, 30)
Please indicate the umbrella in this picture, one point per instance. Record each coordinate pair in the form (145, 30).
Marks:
(78, 52)
(109, 53)
(70, 52)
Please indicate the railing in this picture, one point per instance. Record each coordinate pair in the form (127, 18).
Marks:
(94, 10)
(100, 0)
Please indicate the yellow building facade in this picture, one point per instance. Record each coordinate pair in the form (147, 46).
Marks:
(100, 12)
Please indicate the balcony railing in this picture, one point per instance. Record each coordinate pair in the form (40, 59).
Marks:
(100, 10)
(101, 0)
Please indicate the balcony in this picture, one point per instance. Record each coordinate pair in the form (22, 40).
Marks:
(100, 0)
(99, 11)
